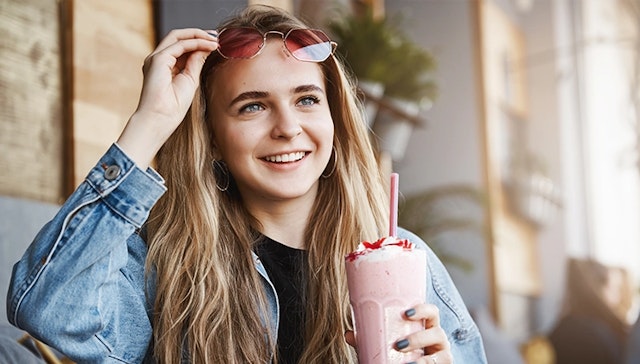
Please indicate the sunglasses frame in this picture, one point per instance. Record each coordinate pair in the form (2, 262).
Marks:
(284, 37)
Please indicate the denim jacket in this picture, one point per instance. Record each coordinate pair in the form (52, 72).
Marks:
(80, 286)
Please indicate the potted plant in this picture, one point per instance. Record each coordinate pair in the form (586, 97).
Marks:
(409, 89)
(394, 74)
(364, 42)
(411, 76)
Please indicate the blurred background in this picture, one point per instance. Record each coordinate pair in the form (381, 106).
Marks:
(514, 126)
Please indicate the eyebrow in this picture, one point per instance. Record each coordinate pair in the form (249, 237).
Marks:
(250, 95)
(308, 88)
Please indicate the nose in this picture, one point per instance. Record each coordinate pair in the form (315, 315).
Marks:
(286, 125)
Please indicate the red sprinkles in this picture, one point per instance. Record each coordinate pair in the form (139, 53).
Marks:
(368, 246)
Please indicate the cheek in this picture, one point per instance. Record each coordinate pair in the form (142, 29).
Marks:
(236, 143)
(326, 143)
(221, 141)
(328, 132)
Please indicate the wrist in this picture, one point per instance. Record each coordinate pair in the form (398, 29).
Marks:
(141, 139)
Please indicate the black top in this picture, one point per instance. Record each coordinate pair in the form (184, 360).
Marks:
(285, 267)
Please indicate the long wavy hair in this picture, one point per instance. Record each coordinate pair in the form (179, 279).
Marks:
(210, 301)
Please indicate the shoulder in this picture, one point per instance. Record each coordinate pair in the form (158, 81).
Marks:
(454, 315)
(406, 234)
(435, 266)
(442, 283)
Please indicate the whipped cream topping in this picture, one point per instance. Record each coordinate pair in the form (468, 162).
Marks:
(382, 243)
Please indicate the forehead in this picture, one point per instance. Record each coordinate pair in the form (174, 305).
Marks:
(273, 68)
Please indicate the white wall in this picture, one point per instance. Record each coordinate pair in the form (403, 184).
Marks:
(448, 150)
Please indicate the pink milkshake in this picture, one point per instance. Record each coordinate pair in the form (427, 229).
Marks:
(385, 279)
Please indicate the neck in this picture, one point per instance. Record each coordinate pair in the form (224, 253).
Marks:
(284, 221)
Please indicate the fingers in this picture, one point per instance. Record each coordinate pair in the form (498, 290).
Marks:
(438, 358)
(350, 338)
(424, 312)
(183, 50)
(178, 35)
(185, 46)
(171, 76)
(433, 339)
(171, 72)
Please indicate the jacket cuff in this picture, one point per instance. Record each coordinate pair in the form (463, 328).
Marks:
(127, 189)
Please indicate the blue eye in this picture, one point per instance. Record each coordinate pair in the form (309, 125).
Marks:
(251, 108)
(308, 101)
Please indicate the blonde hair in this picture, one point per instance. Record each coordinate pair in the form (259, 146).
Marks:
(210, 300)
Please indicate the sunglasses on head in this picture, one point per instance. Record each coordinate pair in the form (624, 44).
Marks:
(309, 45)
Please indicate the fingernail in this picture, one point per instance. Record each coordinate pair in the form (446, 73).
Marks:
(213, 33)
(413, 362)
(401, 344)
(410, 312)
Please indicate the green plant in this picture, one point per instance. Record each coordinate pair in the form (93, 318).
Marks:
(410, 75)
(364, 42)
(376, 49)
(433, 213)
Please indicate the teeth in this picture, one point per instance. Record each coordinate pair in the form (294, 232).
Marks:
(284, 158)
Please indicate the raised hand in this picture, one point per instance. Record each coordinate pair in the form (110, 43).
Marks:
(171, 76)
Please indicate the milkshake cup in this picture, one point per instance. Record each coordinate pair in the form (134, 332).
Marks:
(385, 279)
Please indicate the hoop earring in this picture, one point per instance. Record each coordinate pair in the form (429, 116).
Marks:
(335, 164)
(221, 175)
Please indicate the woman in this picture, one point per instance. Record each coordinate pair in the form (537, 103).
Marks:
(593, 326)
(632, 350)
(270, 181)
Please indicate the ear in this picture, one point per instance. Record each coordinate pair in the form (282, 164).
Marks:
(215, 152)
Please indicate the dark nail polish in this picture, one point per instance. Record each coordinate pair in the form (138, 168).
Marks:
(410, 312)
(401, 344)
(213, 34)
(413, 362)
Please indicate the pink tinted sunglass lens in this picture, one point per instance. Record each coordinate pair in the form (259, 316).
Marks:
(240, 42)
(308, 44)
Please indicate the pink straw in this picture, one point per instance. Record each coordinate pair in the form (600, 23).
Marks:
(393, 207)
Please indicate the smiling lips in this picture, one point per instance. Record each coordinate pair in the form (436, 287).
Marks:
(285, 158)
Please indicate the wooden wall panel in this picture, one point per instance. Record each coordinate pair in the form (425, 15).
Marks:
(110, 40)
(514, 253)
(505, 103)
(30, 101)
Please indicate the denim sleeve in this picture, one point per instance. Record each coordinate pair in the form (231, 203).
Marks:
(79, 287)
(462, 332)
